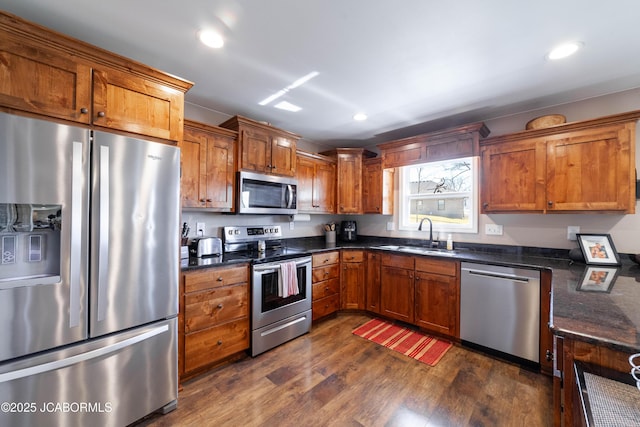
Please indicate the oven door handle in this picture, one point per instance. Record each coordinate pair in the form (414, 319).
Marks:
(271, 268)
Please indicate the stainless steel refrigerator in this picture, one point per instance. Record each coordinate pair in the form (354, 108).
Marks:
(89, 225)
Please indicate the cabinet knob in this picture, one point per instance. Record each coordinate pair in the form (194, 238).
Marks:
(550, 203)
(352, 257)
(326, 260)
(219, 342)
(209, 200)
(202, 200)
(219, 306)
(326, 273)
(219, 279)
(485, 205)
(549, 356)
(101, 114)
(84, 110)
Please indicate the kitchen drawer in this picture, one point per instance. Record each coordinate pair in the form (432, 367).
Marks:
(213, 344)
(325, 306)
(325, 258)
(324, 273)
(436, 266)
(214, 306)
(352, 256)
(215, 277)
(398, 261)
(325, 288)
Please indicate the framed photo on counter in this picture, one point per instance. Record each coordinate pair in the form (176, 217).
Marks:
(598, 249)
(598, 279)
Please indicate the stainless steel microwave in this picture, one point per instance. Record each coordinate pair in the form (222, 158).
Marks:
(266, 194)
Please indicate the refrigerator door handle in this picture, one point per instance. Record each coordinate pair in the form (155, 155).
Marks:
(82, 357)
(75, 265)
(103, 233)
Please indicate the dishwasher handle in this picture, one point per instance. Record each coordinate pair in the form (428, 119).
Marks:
(511, 278)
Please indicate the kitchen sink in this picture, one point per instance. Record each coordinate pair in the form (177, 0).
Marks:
(420, 250)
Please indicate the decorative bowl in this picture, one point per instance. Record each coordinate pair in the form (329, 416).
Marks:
(546, 121)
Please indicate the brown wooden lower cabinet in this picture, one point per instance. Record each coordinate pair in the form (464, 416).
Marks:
(325, 281)
(372, 282)
(397, 287)
(352, 280)
(437, 287)
(567, 405)
(214, 317)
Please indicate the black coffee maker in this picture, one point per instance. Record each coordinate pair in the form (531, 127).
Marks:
(348, 231)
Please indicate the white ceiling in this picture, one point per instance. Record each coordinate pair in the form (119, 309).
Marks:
(404, 63)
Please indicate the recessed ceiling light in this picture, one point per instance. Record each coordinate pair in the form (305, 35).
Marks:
(284, 105)
(564, 50)
(359, 117)
(211, 38)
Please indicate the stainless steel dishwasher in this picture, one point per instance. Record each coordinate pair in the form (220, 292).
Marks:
(500, 309)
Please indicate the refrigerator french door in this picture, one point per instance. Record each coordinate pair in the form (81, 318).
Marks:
(88, 275)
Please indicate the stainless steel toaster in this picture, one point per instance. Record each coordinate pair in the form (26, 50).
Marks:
(205, 247)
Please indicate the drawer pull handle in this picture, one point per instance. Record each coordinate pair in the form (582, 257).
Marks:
(219, 279)
(101, 114)
(219, 342)
(326, 288)
(219, 306)
(83, 110)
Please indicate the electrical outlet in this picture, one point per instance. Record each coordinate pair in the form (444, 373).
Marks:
(200, 229)
(391, 226)
(571, 232)
(493, 229)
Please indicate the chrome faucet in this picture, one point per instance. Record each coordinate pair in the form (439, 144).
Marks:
(431, 242)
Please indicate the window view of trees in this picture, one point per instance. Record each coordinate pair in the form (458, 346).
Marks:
(441, 191)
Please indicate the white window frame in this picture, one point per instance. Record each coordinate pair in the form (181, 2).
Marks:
(404, 197)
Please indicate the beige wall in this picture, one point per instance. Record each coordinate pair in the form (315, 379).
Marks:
(522, 229)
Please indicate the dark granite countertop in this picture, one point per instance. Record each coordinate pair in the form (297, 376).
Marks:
(604, 311)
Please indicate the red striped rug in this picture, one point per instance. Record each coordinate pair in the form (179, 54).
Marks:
(424, 348)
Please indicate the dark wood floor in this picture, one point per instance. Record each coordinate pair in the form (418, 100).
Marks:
(331, 377)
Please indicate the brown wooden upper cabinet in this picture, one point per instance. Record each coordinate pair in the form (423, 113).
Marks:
(316, 183)
(377, 189)
(349, 171)
(49, 74)
(453, 143)
(208, 167)
(581, 166)
(263, 148)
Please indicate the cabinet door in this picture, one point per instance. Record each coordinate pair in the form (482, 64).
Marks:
(193, 152)
(437, 303)
(396, 293)
(513, 176)
(220, 174)
(306, 177)
(372, 188)
(324, 188)
(255, 149)
(134, 104)
(372, 281)
(349, 183)
(590, 170)
(42, 81)
(283, 156)
(352, 285)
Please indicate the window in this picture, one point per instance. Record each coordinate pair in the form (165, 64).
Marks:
(445, 192)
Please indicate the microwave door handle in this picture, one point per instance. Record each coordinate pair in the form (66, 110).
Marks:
(289, 196)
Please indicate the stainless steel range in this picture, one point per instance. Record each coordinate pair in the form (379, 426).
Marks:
(277, 315)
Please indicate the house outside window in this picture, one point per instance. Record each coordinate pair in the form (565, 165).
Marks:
(446, 192)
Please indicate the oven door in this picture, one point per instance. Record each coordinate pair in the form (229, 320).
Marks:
(268, 307)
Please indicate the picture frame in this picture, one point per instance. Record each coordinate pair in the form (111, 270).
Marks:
(598, 279)
(598, 249)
